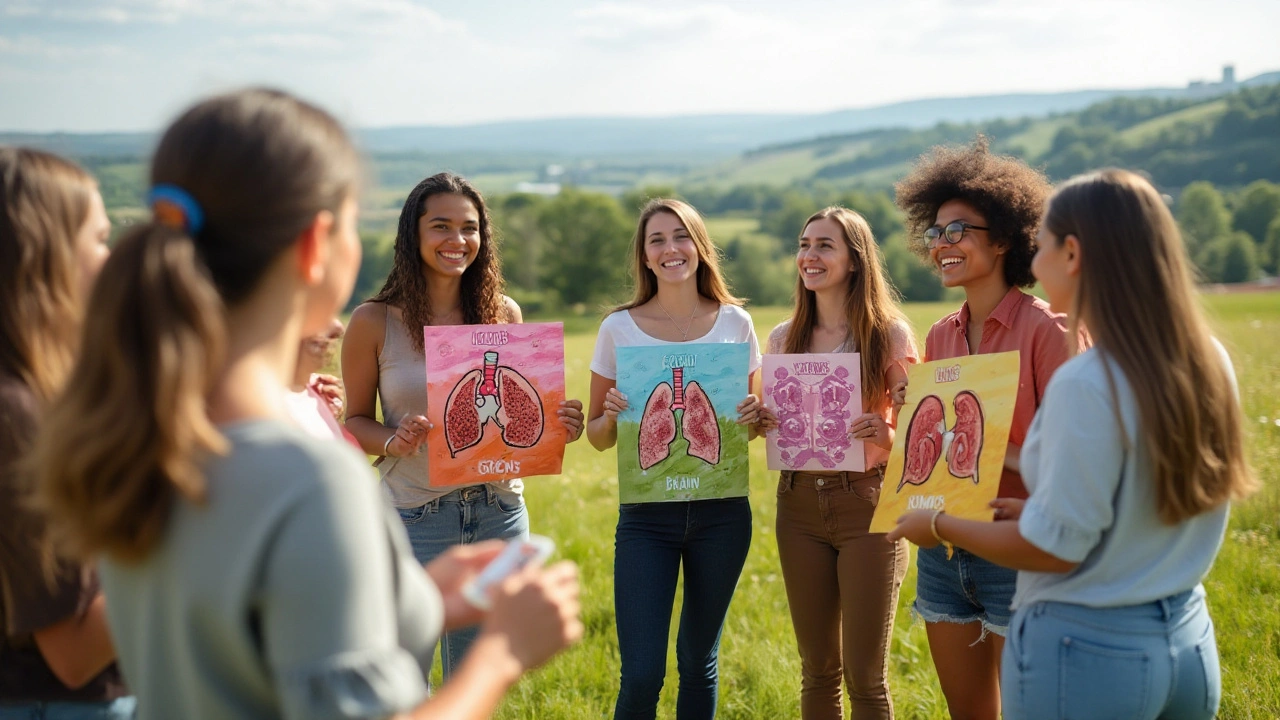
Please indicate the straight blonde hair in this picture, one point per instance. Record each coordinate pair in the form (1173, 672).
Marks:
(711, 284)
(1140, 304)
(870, 306)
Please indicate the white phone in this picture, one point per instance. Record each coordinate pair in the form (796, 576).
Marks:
(517, 554)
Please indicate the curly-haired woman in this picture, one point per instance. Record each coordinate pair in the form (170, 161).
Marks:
(446, 272)
(974, 215)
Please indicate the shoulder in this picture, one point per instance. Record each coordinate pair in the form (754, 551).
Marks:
(901, 334)
(1083, 374)
(514, 315)
(614, 320)
(1034, 311)
(300, 463)
(368, 317)
(946, 326)
(778, 335)
(736, 314)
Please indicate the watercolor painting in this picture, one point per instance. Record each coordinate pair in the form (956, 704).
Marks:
(492, 396)
(953, 432)
(678, 439)
(816, 397)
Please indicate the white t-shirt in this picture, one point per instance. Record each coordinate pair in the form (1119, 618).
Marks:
(732, 325)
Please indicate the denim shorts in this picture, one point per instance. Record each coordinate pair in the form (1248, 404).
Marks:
(964, 589)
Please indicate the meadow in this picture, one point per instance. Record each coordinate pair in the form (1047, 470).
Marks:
(759, 665)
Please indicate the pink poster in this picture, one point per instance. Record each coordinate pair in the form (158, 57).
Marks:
(816, 397)
(493, 392)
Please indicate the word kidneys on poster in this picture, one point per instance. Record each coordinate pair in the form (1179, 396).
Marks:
(679, 438)
(952, 436)
(493, 392)
(816, 397)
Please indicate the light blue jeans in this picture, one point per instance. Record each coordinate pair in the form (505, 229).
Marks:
(123, 708)
(1138, 662)
(466, 515)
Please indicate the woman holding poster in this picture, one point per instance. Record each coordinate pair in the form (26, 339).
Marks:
(1131, 463)
(974, 217)
(842, 586)
(446, 271)
(680, 297)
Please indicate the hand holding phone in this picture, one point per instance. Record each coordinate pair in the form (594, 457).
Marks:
(518, 553)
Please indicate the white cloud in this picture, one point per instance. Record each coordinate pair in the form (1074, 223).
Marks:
(27, 46)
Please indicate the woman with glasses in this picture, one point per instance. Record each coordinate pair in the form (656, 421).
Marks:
(1132, 465)
(974, 216)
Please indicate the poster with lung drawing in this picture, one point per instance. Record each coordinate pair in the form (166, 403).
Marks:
(679, 438)
(815, 397)
(952, 435)
(492, 396)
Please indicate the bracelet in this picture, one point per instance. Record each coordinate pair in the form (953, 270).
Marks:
(933, 526)
(386, 451)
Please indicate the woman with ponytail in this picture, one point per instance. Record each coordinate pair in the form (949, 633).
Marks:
(247, 575)
(1132, 463)
(56, 656)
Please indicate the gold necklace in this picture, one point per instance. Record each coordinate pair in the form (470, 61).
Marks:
(684, 334)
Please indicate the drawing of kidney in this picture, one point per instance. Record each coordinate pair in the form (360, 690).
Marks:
(657, 427)
(966, 442)
(699, 425)
(924, 441)
(462, 426)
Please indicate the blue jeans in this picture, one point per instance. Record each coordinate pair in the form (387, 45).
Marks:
(1138, 662)
(466, 515)
(119, 709)
(964, 589)
(710, 538)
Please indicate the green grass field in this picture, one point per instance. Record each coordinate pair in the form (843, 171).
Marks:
(759, 667)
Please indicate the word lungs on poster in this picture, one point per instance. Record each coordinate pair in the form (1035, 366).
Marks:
(492, 396)
(953, 432)
(679, 438)
(816, 398)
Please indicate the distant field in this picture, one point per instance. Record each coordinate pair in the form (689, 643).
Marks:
(759, 667)
(1195, 115)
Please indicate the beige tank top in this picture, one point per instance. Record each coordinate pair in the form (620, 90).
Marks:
(402, 389)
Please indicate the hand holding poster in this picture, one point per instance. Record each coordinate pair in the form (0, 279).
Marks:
(816, 397)
(679, 438)
(952, 435)
(493, 392)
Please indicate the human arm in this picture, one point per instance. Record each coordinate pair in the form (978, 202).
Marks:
(602, 416)
(514, 314)
(999, 542)
(360, 351)
(752, 412)
(329, 389)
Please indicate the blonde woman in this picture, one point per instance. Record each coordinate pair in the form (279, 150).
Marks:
(55, 650)
(680, 297)
(1132, 463)
(842, 582)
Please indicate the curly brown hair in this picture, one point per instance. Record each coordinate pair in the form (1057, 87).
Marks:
(406, 287)
(1010, 195)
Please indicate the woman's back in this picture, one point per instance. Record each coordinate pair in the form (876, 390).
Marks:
(278, 596)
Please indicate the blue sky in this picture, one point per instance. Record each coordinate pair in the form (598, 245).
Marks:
(92, 65)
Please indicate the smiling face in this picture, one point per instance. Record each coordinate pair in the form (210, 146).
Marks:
(823, 256)
(448, 235)
(972, 260)
(669, 251)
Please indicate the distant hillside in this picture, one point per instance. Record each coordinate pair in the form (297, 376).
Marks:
(697, 138)
(1228, 140)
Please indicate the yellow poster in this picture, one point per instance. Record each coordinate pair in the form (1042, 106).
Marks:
(952, 435)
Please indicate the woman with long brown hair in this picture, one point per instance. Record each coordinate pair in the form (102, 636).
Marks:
(55, 648)
(446, 272)
(842, 582)
(1132, 463)
(680, 297)
(251, 570)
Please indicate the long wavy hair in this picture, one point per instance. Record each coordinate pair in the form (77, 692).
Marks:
(1138, 299)
(870, 306)
(711, 284)
(44, 202)
(131, 431)
(406, 286)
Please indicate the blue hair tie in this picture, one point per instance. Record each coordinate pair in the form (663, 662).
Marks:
(173, 206)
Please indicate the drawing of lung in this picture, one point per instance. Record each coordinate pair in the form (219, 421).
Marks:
(697, 422)
(966, 441)
(928, 439)
(498, 393)
(924, 441)
(813, 420)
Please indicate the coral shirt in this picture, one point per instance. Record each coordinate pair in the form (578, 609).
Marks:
(1020, 322)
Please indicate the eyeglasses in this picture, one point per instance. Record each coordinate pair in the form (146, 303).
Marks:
(952, 233)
